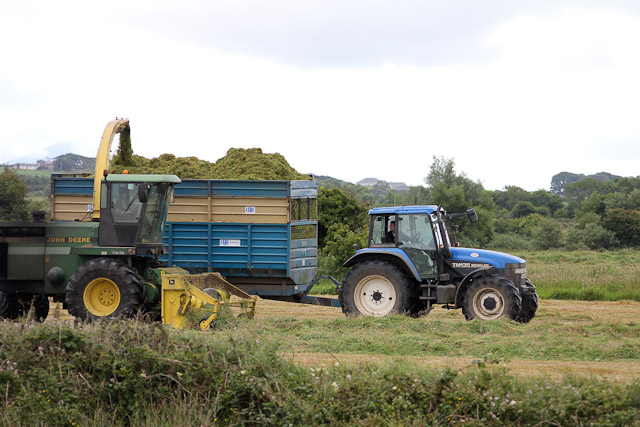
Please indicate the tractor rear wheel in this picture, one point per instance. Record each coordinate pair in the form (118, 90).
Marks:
(490, 298)
(529, 304)
(105, 288)
(376, 288)
(13, 306)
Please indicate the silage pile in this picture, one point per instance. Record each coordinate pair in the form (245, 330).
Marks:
(239, 163)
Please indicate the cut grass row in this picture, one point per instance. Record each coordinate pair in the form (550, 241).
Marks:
(556, 333)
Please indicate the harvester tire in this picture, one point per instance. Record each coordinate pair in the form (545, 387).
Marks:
(13, 306)
(105, 288)
(490, 298)
(376, 288)
(9, 306)
(529, 305)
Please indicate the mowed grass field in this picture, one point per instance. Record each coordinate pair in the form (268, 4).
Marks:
(599, 339)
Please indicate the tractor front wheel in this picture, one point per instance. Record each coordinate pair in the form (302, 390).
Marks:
(376, 288)
(105, 288)
(490, 298)
(529, 304)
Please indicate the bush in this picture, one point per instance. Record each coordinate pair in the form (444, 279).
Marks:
(548, 234)
(14, 205)
(339, 247)
(625, 225)
(592, 236)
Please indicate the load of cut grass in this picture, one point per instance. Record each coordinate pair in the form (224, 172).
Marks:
(239, 163)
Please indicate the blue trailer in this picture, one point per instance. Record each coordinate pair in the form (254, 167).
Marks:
(261, 235)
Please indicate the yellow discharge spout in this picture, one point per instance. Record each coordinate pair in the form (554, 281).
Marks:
(102, 159)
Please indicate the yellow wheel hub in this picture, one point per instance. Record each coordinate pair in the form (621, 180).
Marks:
(101, 297)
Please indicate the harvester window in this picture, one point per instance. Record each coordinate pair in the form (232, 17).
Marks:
(152, 224)
(125, 205)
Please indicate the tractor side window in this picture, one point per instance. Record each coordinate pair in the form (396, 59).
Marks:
(125, 205)
(377, 231)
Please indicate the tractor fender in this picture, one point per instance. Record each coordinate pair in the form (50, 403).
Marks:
(395, 256)
(462, 286)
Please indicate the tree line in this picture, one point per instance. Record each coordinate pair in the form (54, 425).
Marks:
(593, 214)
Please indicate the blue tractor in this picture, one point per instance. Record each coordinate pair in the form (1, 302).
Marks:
(411, 264)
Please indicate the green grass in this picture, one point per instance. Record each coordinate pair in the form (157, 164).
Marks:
(130, 373)
(557, 336)
(585, 275)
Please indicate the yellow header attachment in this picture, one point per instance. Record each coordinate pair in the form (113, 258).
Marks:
(102, 159)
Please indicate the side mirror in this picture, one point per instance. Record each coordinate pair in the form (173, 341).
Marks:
(473, 216)
(143, 193)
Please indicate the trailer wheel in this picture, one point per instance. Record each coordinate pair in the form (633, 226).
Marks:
(12, 306)
(490, 298)
(105, 288)
(376, 288)
(529, 304)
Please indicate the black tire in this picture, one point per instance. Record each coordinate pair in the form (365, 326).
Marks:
(13, 306)
(529, 304)
(10, 308)
(376, 288)
(105, 288)
(490, 298)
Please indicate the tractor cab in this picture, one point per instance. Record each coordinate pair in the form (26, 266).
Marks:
(419, 231)
(133, 209)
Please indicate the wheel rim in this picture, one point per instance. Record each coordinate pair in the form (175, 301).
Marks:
(488, 304)
(101, 297)
(375, 296)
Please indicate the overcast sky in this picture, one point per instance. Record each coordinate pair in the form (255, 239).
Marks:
(514, 91)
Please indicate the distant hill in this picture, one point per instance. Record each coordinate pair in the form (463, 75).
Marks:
(560, 180)
(329, 182)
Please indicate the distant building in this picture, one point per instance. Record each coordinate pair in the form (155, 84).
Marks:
(45, 165)
(368, 182)
(399, 186)
(25, 166)
(372, 182)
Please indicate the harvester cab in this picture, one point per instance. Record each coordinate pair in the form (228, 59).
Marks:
(412, 263)
(133, 210)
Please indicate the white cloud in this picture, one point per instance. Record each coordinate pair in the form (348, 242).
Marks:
(557, 92)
